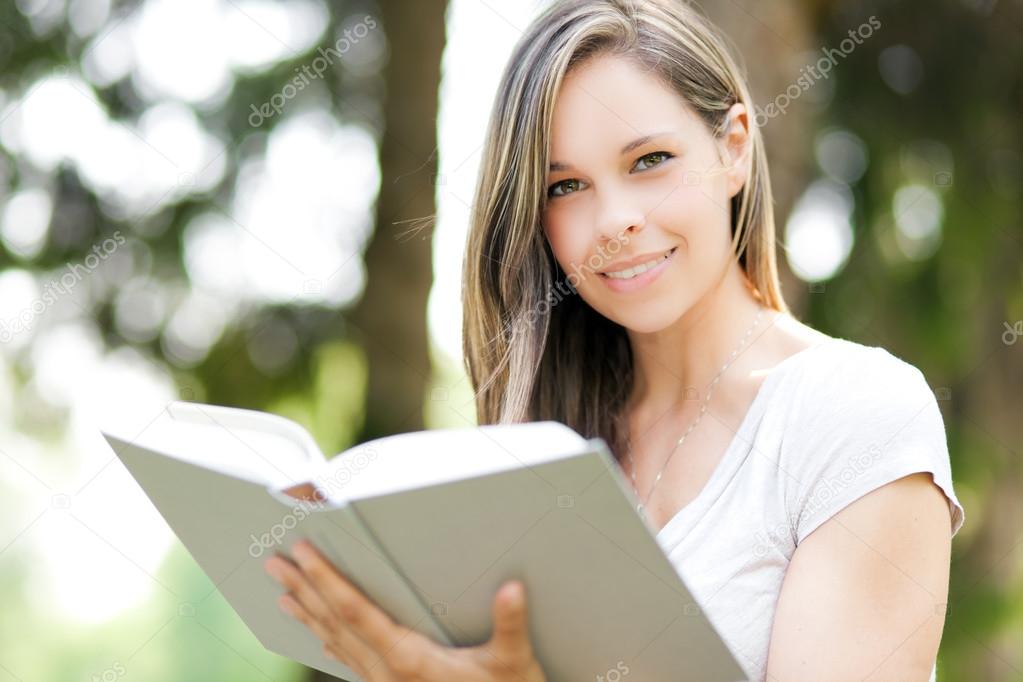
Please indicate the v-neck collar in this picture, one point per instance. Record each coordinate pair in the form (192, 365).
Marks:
(683, 520)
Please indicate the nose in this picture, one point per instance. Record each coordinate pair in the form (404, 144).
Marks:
(618, 217)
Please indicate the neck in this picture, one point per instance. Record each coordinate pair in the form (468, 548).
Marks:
(689, 353)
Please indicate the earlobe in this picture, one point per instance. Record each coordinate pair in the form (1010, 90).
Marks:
(737, 176)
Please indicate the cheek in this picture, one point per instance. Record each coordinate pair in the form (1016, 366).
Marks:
(571, 250)
(696, 212)
(568, 245)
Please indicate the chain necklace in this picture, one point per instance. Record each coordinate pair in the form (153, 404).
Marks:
(703, 408)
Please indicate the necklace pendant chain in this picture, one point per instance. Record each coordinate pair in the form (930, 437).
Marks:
(703, 409)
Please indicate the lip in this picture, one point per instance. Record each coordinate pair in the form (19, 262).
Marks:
(632, 262)
(641, 280)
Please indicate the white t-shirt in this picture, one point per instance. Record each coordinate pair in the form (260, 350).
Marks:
(828, 425)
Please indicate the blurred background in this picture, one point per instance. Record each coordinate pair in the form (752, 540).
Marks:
(264, 204)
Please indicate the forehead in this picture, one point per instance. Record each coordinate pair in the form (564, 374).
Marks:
(612, 100)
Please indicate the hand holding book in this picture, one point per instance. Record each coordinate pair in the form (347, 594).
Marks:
(357, 632)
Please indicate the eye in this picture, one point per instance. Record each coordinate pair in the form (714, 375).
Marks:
(552, 190)
(666, 155)
(552, 193)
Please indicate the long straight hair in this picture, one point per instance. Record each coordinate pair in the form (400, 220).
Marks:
(532, 351)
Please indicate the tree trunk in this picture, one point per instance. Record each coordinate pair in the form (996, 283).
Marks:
(390, 319)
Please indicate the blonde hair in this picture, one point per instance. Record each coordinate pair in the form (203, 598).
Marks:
(530, 352)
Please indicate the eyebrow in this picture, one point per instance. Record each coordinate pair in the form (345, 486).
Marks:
(638, 142)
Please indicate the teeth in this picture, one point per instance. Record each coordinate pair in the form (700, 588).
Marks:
(629, 273)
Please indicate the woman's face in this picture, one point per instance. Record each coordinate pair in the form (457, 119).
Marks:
(615, 196)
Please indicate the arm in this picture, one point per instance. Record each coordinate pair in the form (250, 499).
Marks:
(865, 594)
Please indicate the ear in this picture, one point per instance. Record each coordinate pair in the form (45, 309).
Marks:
(737, 145)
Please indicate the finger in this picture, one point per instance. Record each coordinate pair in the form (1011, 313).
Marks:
(292, 578)
(351, 606)
(344, 644)
(308, 492)
(510, 642)
(393, 646)
(334, 654)
(306, 604)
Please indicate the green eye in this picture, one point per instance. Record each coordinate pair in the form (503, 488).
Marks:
(552, 193)
(552, 190)
(665, 155)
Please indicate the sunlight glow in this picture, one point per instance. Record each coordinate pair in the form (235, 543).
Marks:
(25, 221)
(918, 214)
(480, 39)
(818, 235)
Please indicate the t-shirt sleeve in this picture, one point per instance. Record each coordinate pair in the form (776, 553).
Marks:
(861, 420)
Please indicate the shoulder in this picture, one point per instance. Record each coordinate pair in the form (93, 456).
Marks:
(842, 381)
(860, 390)
(868, 490)
(835, 366)
(858, 417)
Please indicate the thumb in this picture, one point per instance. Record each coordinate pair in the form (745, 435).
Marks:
(511, 627)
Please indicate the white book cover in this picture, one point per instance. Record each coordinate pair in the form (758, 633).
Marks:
(429, 525)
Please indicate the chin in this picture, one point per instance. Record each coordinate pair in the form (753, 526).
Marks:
(646, 325)
(644, 319)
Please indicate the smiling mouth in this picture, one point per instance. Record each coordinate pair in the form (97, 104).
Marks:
(629, 273)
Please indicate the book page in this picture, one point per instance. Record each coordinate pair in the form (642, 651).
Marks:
(412, 460)
(252, 445)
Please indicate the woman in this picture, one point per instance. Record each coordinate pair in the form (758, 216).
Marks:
(620, 277)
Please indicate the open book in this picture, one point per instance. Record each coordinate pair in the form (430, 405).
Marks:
(429, 525)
